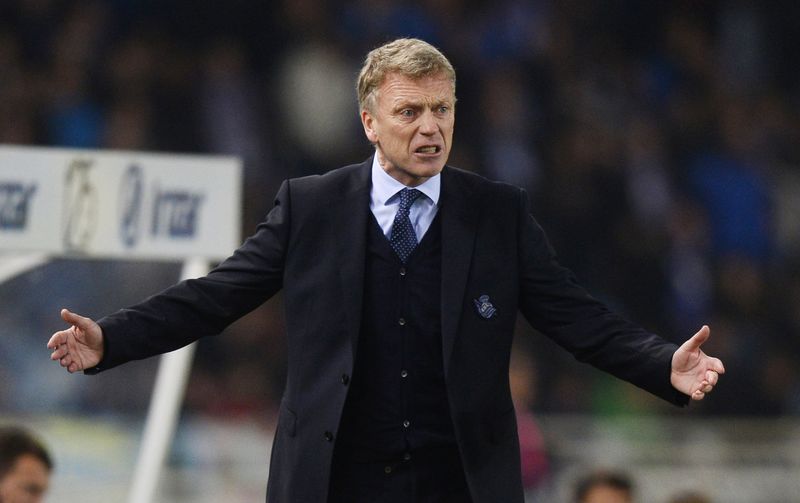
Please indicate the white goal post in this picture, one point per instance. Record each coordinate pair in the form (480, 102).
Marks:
(123, 205)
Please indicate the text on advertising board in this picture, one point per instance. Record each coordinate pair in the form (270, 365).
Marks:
(175, 213)
(15, 198)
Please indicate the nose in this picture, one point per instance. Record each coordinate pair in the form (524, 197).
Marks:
(428, 125)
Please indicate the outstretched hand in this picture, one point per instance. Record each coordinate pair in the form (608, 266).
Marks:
(694, 372)
(80, 346)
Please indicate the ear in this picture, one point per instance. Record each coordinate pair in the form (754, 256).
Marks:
(368, 121)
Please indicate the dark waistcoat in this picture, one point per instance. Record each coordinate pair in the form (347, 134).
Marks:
(397, 402)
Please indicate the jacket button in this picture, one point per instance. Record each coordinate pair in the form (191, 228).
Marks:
(401, 321)
(329, 436)
(345, 379)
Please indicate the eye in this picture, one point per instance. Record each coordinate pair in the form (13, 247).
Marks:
(443, 109)
(407, 112)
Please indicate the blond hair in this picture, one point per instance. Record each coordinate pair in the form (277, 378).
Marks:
(409, 57)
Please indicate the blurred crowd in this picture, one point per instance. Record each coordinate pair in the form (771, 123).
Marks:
(659, 143)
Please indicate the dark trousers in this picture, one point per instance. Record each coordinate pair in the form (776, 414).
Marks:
(428, 476)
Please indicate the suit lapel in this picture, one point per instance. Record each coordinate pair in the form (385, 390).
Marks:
(350, 218)
(458, 210)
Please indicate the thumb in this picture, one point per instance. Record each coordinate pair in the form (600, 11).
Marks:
(698, 339)
(75, 319)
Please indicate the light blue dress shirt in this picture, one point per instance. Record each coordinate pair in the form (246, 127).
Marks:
(384, 201)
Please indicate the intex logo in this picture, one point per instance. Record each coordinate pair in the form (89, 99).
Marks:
(131, 195)
(175, 214)
(80, 205)
(14, 204)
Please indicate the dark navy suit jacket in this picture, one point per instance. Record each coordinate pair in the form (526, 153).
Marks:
(312, 245)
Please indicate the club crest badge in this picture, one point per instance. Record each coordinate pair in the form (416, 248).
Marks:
(484, 307)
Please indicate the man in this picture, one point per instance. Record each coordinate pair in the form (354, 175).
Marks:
(25, 467)
(402, 278)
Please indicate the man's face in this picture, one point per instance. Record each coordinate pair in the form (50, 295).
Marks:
(411, 124)
(26, 482)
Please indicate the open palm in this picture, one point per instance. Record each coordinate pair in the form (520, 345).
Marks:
(80, 346)
(694, 372)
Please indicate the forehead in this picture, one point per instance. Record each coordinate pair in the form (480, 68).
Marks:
(601, 494)
(29, 467)
(397, 88)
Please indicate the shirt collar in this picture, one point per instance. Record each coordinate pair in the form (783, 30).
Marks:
(384, 187)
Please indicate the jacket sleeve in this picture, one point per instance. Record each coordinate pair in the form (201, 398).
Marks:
(556, 305)
(204, 306)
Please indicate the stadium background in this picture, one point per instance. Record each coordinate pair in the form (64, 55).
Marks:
(659, 143)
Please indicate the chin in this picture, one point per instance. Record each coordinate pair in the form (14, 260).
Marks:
(428, 168)
(426, 172)
(415, 171)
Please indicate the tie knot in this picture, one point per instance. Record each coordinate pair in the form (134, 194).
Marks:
(407, 197)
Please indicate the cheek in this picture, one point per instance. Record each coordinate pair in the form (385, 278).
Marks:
(399, 137)
(448, 136)
(447, 127)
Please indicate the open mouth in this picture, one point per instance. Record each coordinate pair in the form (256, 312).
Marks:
(431, 149)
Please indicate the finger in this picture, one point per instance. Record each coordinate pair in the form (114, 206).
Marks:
(712, 377)
(57, 339)
(65, 361)
(76, 319)
(706, 388)
(59, 353)
(71, 364)
(698, 395)
(716, 365)
(698, 339)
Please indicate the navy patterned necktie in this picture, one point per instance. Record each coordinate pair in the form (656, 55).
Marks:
(403, 238)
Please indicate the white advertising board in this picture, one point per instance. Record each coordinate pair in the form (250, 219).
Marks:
(94, 203)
